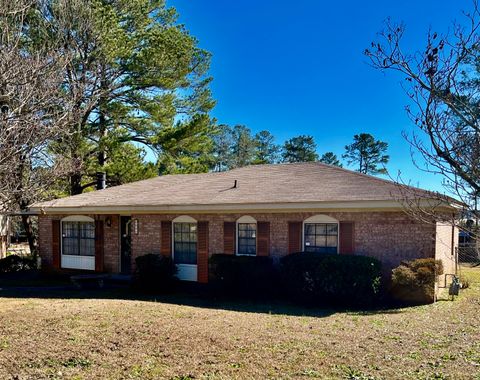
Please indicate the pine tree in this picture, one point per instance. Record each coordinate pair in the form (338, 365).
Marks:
(330, 158)
(142, 78)
(300, 149)
(266, 151)
(368, 154)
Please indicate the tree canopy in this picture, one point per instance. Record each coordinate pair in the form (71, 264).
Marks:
(441, 83)
(300, 149)
(368, 154)
(330, 158)
(141, 76)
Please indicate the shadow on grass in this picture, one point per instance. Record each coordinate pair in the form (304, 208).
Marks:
(194, 295)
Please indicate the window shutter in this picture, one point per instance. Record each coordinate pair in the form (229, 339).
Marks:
(294, 237)
(347, 238)
(166, 241)
(263, 238)
(229, 238)
(99, 239)
(56, 244)
(202, 252)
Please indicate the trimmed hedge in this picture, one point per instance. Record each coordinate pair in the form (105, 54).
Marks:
(154, 273)
(15, 263)
(413, 282)
(242, 275)
(347, 280)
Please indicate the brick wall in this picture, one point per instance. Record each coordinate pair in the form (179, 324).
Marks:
(111, 239)
(445, 248)
(388, 236)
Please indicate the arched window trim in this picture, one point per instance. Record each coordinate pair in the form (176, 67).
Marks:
(184, 219)
(321, 219)
(245, 219)
(78, 218)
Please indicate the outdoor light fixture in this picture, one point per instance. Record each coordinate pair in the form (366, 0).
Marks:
(135, 226)
(108, 222)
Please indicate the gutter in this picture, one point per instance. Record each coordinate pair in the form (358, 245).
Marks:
(351, 206)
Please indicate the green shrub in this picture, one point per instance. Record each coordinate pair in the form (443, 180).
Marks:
(154, 273)
(242, 275)
(347, 280)
(413, 282)
(15, 263)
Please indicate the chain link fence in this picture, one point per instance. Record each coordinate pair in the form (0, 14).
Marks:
(469, 253)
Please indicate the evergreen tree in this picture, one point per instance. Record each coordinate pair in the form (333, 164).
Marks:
(266, 151)
(222, 148)
(331, 158)
(300, 149)
(142, 78)
(368, 154)
(244, 147)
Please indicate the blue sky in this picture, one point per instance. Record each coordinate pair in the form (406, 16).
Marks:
(298, 68)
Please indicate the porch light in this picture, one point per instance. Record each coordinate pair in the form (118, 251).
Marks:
(135, 226)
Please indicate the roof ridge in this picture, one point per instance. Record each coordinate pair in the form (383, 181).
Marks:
(342, 169)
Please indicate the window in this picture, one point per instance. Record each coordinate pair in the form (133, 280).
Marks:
(321, 237)
(247, 238)
(78, 238)
(185, 243)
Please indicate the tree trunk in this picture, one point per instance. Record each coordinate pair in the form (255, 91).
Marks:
(76, 184)
(102, 154)
(31, 236)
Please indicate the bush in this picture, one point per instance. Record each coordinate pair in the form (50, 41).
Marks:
(242, 275)
(15, 263)
(154, 273)
(413, 282)
(347, 280)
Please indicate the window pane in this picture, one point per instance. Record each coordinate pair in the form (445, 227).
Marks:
(332, 229)
(320, 229)
(331, 241)
(309, 240)
(320, 241)
(321, 237)
(247, 242)
(185, 243)
(78, 238)
(309, 229)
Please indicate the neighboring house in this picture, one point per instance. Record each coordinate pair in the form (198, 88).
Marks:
(4, 238)
(264, 210)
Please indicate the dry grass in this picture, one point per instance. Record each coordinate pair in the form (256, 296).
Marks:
(130, 339)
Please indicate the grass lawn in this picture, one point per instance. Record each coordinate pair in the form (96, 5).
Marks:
(46, 336)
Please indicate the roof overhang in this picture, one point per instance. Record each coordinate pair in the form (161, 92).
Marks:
(344, 206)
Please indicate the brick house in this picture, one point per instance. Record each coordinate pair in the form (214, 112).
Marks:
(265, 210)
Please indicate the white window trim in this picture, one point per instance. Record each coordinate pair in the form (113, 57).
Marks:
(78, 218)
(88, 261)
(322, 219)
(187, 272)
(248, 220)
(182, 219)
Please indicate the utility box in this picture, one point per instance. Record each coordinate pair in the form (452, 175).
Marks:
(454, 287)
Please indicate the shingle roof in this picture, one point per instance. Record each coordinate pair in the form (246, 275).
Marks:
(259, 184)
